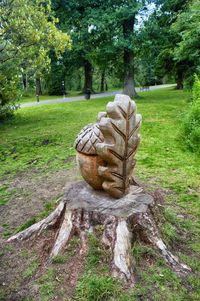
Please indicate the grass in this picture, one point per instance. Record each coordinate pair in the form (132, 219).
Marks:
(4, 195)
(47, 284)
(48, 208)
(42, 138)
(30, 140)
(98, 288)
(30, 270)
(32, 98)
(70, 251)
(59, 259)
(26, 99)
(96, 283)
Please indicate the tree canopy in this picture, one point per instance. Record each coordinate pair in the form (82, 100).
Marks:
(86, 44)
(187, 27)
(27, 32)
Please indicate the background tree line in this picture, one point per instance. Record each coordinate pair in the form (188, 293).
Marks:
(56, 46)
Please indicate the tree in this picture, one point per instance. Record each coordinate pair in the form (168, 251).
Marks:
(128, 56)
(27, 33)
(28, 30)
(103, 34)
(162, 39)
(73, 16)
(119, 18)
(187, 27)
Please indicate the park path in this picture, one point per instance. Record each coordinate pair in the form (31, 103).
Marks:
(81, 97)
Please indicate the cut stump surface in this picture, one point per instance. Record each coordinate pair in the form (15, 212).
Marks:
(83, 208)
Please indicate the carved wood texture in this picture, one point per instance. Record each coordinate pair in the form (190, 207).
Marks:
(121, 139)
(82, 210)
(87, 139)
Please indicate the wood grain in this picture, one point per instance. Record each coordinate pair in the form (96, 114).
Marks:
(121, 139)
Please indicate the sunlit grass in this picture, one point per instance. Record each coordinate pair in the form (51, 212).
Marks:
(33, 98)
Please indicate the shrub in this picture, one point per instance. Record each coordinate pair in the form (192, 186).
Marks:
(9, 91)
(191, 124)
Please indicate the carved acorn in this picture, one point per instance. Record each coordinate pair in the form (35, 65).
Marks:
(87, 158)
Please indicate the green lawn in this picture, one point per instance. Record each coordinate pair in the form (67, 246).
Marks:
(26, 99)
(42, 137)
(32, 98)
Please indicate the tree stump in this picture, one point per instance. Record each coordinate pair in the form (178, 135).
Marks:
(83, 208)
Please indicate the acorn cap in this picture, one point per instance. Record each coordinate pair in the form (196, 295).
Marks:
(87, 139)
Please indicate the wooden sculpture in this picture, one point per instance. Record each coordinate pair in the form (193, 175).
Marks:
(105, 151)
(105, 154)
(87, 158)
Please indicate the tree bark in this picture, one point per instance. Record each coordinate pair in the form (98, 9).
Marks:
(25, 81)
(79, 84)
(82, 209)
(179, 79)
(106, 85)
(38, 86)
(88, 76)
(129, 87)
(103, 74)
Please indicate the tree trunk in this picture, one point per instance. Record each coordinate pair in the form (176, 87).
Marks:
(82, 210)
(79, 84)
(129, 87)
(103, 74)
(179, 79)
(38, 86)
(25, 81)
(88, 76)
(106, 85)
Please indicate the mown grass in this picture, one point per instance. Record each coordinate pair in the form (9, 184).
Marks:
(32, 98)
(42, 138)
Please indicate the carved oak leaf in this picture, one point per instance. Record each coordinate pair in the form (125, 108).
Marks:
(121, 139)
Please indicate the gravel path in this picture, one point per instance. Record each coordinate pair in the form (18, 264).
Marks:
(93, 96)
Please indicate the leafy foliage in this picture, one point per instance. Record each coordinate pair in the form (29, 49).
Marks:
(9, 89)
(171, 34)
(28, 31)
(187, 27)
(191, 125)
(102, 33)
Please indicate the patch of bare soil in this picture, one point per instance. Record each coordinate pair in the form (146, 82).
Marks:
(30, 192)
(20, 281)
